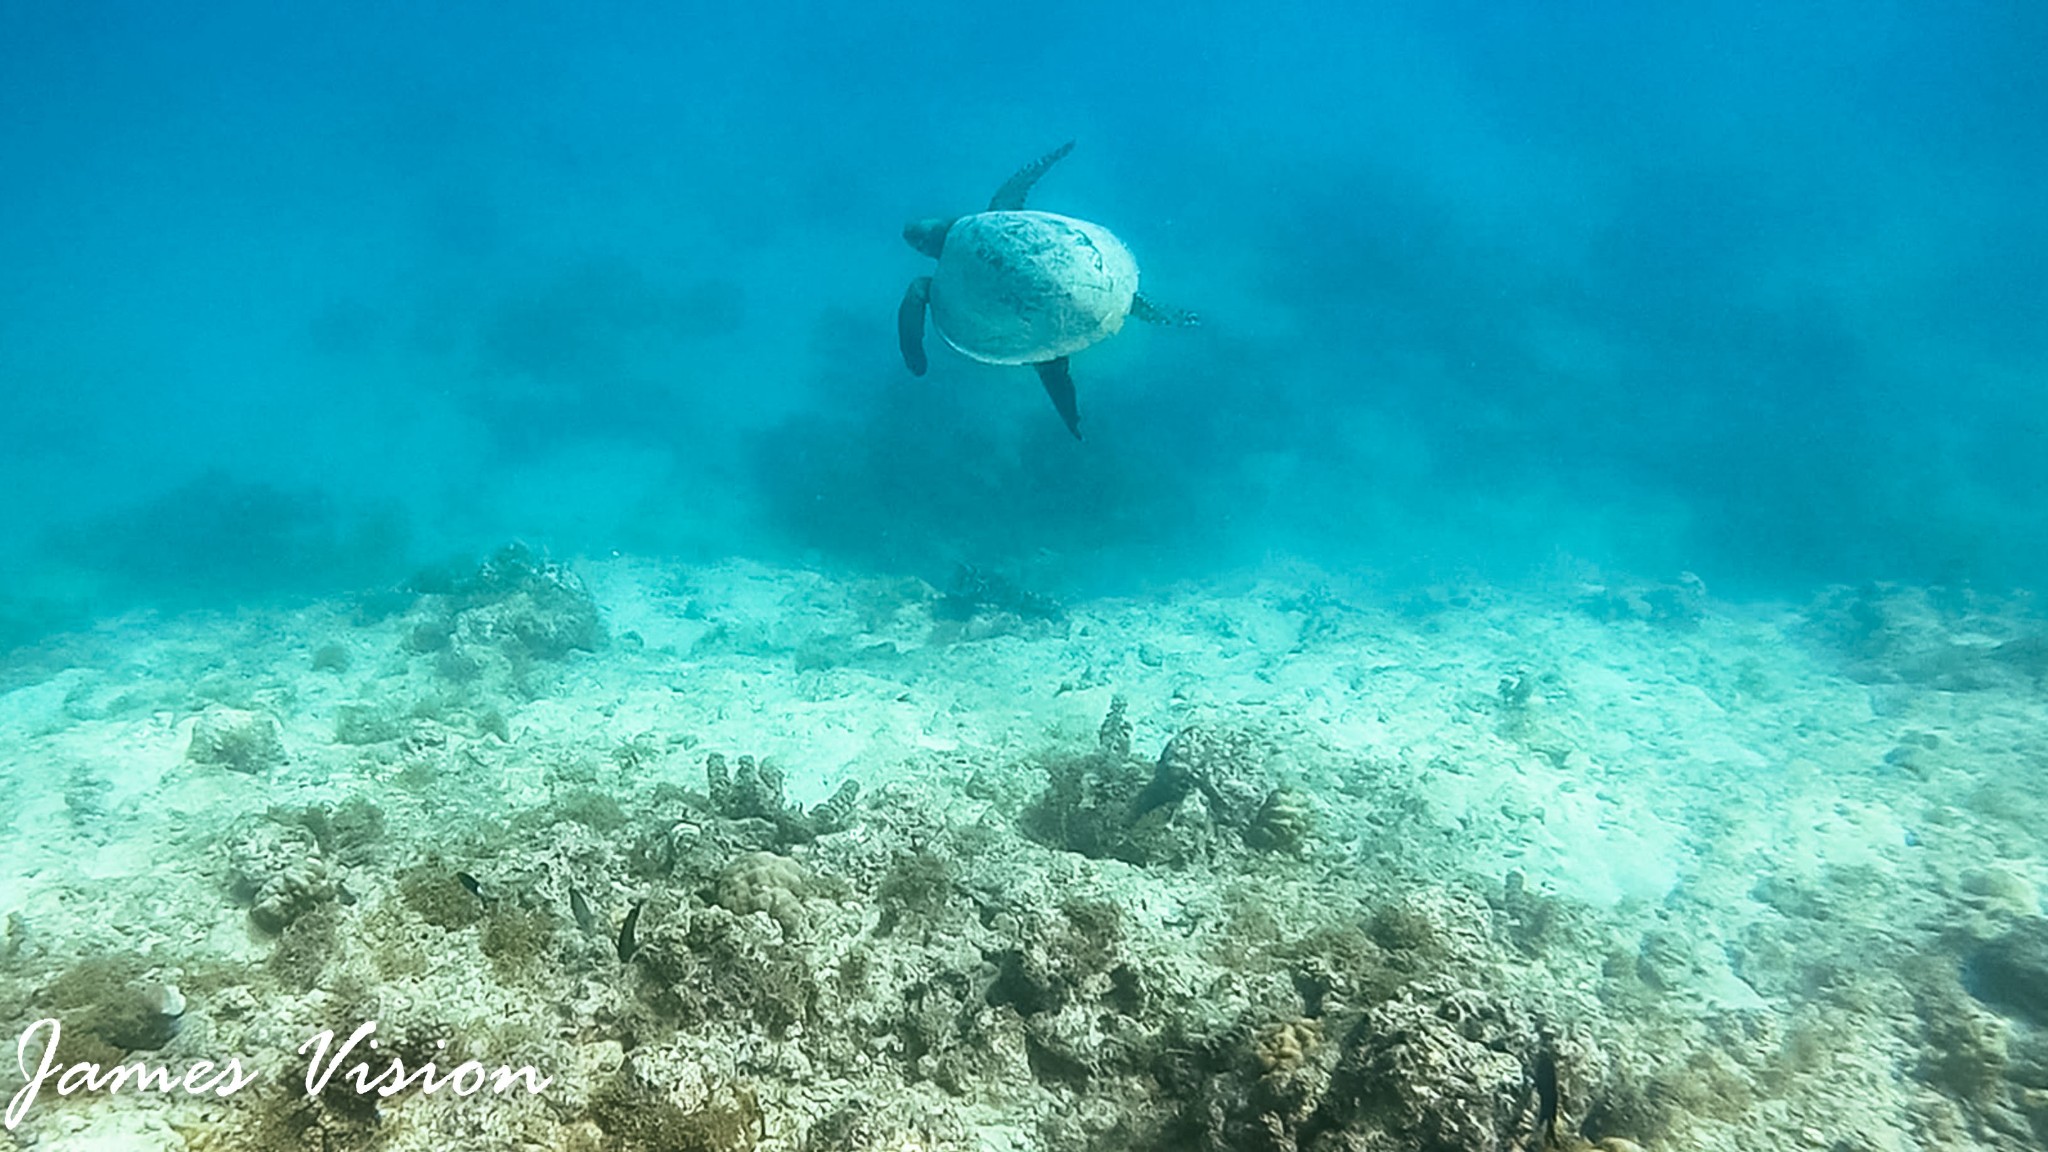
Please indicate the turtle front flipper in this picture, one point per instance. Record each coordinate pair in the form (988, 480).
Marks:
(1152, 312)
(1059, 384)
(1010, 197)
(910, 323)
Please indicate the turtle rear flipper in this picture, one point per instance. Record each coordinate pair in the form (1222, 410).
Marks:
(1010, 197)
(1059, 384)
(1152, 312)
(910, 323)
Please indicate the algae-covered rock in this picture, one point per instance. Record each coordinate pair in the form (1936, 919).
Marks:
(638, 1116)
(1285, 822)
(980, 604)
(238, 740)
(1087, 803)
(712, 964)
(112, 1002)
(521, 599)
(1966, 1051)
(366, 722)
(1448, 1069)
(2010, 973)
(434, 889)
(347, 832)
(515, 939)
(1226, 767)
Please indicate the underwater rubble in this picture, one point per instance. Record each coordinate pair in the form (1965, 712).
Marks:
(1950, 639)
(1195, 928)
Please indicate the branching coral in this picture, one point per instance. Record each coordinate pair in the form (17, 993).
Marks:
(752, 790)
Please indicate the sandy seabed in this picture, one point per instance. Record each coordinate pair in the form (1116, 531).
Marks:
(1266, 864)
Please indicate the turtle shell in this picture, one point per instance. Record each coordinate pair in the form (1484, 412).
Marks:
(1026, 287)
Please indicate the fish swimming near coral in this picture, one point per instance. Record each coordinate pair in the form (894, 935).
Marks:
(627, 944)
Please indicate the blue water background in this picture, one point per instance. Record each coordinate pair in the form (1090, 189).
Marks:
(293, 297)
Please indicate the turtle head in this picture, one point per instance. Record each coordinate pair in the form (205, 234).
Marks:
(928, 235)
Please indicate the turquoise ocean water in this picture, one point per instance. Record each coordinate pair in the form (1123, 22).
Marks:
(1552, 660)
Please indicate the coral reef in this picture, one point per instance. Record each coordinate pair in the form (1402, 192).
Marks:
(980, 604)
(519, 600)
(516, 939)
(1217, 929)
(1087, 802)
(752, 791)
(1443, 1068)
(765, 882)
(487, 634)
(1208, 792)
(1225, 768)
(1283, 1049)
(515, 601)
(1440, 1067)
(277, 870)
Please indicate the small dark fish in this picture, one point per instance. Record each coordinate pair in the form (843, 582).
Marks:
(347, 898)
(469, 882)
(1546, 1089)
(580, 908)
(627, 945)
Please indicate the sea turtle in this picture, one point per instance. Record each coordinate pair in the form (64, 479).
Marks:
(1022, 287)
